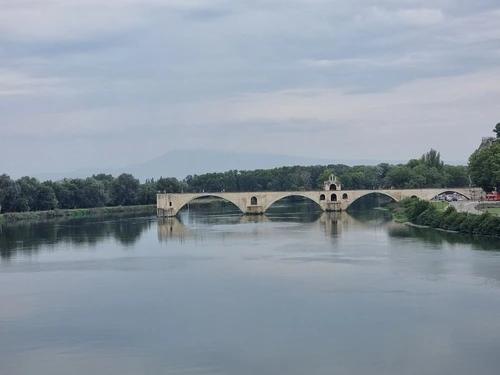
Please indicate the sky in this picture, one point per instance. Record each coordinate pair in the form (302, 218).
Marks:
(92, 83)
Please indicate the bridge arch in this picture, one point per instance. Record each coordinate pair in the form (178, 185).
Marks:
(293, 194)
(370, 193)
(180, 205)
(447, 192)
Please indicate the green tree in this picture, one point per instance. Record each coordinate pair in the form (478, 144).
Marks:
(432, 159)
(169, 185)
(5, 184)
(484, 167)
(456, 176)
(497, 130)
(147, 193)
(398, 177)
(46, 198)
(65, 191)
(124, 190)
(29, 193)
(93, 193)
(320, 181)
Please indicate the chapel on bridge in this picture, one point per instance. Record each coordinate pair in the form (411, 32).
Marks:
(332, 183)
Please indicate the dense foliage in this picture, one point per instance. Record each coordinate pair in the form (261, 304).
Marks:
(497, 130)
(28, 194)
(427, 172)
(484, 167)
(426, 213)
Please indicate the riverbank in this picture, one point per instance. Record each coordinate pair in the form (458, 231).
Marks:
(427, 214)
(12, 217)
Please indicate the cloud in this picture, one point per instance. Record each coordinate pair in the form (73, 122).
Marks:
(420, 16)
(221, 71)
(14, 83)
(379, 15)
(414, 98)
(26, 20)
(406, 60)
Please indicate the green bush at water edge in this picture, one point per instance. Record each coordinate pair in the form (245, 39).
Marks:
(425, 213)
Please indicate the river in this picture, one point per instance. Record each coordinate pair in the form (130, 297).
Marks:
(220, 293)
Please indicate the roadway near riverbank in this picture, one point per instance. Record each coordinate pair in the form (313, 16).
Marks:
(467, 206)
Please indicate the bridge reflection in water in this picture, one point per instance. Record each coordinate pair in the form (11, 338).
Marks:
(332, 224)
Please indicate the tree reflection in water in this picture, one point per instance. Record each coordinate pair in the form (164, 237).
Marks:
(439, 237)
(29, 237)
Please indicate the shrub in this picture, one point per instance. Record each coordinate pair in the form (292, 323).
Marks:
(425, 213)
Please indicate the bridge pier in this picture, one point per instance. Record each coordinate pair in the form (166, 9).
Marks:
(332, 207)
(166, 212)
(254, 210)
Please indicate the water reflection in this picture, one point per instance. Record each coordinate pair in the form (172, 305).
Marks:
(439, 238)
(309, 294)
(198, 226)
(29, 237)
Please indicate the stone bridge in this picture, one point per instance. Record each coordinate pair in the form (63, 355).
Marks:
(169, 204)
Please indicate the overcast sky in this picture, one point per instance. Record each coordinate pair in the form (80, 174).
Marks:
(87, 83)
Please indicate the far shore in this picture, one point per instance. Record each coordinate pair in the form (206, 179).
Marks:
(150, 209)
(12, 217)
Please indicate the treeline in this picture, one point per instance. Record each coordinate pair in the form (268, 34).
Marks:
(426, 172)
(426, 213)
(28, 194)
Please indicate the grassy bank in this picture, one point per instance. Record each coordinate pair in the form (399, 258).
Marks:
(12, 217)
(400, 210)
(425, 213)
(492, 208)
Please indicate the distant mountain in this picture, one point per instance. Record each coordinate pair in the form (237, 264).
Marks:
(182, 163)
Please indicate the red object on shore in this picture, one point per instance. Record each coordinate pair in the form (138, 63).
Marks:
(495, 196)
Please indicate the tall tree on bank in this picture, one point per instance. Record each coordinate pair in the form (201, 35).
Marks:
(125, 190)
(432, 159)
(497, 130)
(484, 167)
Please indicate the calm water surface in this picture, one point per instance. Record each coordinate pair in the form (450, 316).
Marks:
(300, 293)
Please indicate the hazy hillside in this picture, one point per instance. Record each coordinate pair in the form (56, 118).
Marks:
(185, 162)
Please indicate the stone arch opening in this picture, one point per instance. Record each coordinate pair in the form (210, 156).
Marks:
(322, 197)
(213, 202)
(333, 197)
(290, 204)
(253, 201)
(333, 187)
(450, 195)
(345, 196)
(370, 201)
